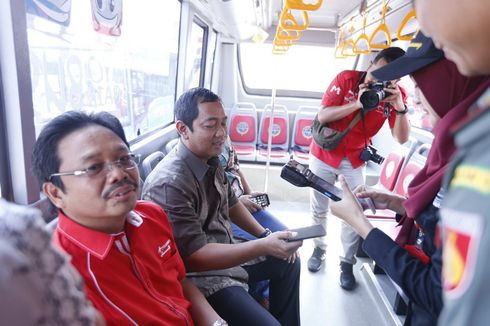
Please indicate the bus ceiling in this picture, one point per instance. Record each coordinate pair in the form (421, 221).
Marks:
(242, 20)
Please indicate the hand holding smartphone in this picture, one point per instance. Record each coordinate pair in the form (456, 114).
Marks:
(262, 200)
(308, 232)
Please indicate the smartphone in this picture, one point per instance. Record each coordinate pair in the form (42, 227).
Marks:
(262, 200)
(308, 232)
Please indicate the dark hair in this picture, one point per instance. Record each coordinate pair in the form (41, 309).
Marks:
(186, 109)
(45, 158)
(389, 54)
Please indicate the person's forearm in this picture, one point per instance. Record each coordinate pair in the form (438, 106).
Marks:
(220, 256)
(361, 225)
(202, 312)
(396, 204)
(334, 113)
(240, 215)
(246, 187)
(401, 130)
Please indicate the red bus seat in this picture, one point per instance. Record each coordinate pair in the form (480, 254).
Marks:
(242, 130)
(280, 135)
(300, 144)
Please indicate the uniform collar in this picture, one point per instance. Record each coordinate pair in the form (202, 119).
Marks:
(95, 242)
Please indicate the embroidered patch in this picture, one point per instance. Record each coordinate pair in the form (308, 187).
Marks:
(461, 241)
(472, 177)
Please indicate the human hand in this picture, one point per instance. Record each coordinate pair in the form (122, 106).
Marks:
(394, 97)
(350, 210)
(381, 199)
(348, 206)
(250, 205)
(278, 246)
(362, 88)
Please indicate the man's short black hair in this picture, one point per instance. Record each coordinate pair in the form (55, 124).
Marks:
(389, 54)
(45, 158)
(186, 109)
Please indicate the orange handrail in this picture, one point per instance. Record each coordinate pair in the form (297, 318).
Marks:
(288, 22)
(345, 50)
(300, 5)
(284, 34)
(340, 46)
(381, 28)
(362, 37)
(411, 14)
(277, 41)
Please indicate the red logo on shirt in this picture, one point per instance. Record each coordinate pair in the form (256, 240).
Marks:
(163, 249)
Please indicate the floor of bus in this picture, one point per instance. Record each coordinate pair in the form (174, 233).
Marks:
(323, 302)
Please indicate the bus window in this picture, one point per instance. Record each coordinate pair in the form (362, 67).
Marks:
(304, 68)
(194, 72)
(125, 65)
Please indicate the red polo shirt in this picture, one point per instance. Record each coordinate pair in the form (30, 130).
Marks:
(343, 90)
(132, 277)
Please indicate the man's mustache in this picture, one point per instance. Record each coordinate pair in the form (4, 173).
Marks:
(107, 192)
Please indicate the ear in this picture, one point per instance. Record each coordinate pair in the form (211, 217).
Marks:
(54, 194)
(182, 129)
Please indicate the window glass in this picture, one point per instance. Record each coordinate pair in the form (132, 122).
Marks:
(194, 56)
(105, 55)
(302, 68)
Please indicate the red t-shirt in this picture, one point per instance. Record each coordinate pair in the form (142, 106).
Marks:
(134, 276)
(343, 90)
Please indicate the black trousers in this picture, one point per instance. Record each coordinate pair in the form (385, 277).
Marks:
(237, 307)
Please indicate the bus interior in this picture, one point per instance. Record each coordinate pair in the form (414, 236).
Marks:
(263, 58)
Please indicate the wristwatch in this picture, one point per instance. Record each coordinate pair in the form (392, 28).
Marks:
(402, 112)
(220, 322)
(265, 234)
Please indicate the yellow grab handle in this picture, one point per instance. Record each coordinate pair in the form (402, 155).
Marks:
(279, 42)
(338, 52)
(300, 5)
(284, 34)
(381, 28)
(346, 49)
(362, 37)
(288, 22)
(399, 35)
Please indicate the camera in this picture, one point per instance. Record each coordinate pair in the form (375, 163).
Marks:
(370, 99)
(369, 154)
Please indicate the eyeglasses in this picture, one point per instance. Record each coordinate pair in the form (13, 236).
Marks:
(127, 162)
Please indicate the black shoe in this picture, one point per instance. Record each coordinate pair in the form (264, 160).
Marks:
(347, 279)
(316, 260)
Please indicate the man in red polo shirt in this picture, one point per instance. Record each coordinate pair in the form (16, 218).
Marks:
(341, 103)
(124, 249)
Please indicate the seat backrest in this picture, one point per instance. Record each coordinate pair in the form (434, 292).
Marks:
(280, 126)
(394, 163)
(415, 163)
(242, 127)
(302, 126)
(170, 145)
(150, 162)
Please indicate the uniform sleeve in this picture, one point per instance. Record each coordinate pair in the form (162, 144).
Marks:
(335, 93)
(420, 282)
(178, 201)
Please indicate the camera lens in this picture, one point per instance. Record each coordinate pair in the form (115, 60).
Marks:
(370, 99)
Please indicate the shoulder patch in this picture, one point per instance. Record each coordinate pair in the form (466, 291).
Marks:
(461, 240)
(476, 178)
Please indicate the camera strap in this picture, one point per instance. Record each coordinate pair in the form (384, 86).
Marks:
(364, 129)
